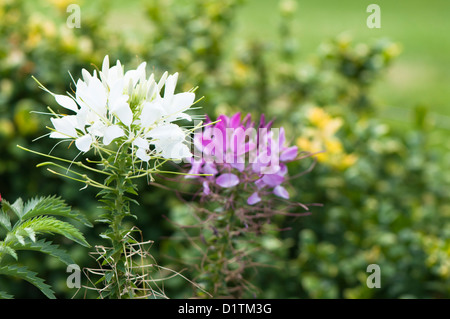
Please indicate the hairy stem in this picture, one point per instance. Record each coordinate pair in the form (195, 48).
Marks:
(118, 207)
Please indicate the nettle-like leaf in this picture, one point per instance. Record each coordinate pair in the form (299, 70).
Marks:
(51, 205)
(50, 225)
(7, 250)
(5, 222)
(48, 248)
(16, 208)
(4, 295)
(30, 276)
(34, 218)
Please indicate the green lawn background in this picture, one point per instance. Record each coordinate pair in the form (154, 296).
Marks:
(419, 76)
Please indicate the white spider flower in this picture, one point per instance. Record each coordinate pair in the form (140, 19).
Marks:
(168, 140)
(125, 108)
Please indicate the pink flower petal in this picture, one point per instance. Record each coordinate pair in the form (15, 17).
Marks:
(210, 168)
(206, 189)
(260, 183)
(289, 154)
(235, 120)
(273, 179)
(253, 199)
(195, 169)
(239, 166)
(227, 180)
(280, 191)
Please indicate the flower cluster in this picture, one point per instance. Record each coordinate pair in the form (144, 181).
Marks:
(233, 151)
(320, 136)
(126, 108)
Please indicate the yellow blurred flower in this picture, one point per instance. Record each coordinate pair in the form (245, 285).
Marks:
(347, 161)
(320, 137)
(34, 36)
(6, 128)
(393, 50)
(317, 116)
(68, 40)
(438, 254)
(241, 70)
(288, 7)
(61, 5)
(39, 27)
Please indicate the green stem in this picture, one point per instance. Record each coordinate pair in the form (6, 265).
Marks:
(223, 256)
(117, 204)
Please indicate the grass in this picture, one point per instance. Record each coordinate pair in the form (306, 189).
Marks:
(420, 74)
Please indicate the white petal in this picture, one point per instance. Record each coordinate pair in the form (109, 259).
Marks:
(140, 71)
(141, 143)
(97, 96)
(151, 88)
(66, 102)
(182, 101)
(92, 95)
(111, 133)
(169, 89)
(174, 151)
(57, 135)
(81, 92)
(151, 113)
(162, 81)
(84, 143)
(115, 74)
(167, 133)
(178, 104)
(65, 126)
(184, 116)
(123, 112)
(82, 116)
(116, 91)
(86, 76)
(97, 129)
(134, 76)
(184, 151)
(105, 65)
(142, 154)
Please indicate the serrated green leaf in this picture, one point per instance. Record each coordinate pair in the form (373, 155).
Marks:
(4, 295)
(31, 233)
(47, 247)
(51, 205)
(50, 225)
(22, 233)
(7, 250)
(20, 239)
(5, 221)
(16, 208)
(30, 276)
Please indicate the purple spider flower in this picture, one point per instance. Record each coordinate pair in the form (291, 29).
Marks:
(234, 151)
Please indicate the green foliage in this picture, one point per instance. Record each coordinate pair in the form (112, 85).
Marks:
(384, 187)
(30, 276)
(22, 223)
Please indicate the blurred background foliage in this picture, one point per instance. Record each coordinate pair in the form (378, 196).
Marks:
(383, 178)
